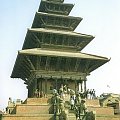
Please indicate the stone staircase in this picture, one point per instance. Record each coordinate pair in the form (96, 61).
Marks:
(28, 117)
(32, 109)
(41, 109)
(102, 113)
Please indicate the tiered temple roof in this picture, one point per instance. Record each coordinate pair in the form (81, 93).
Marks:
(55, 7)
(55, 21)
(41, 37)
(52, 49)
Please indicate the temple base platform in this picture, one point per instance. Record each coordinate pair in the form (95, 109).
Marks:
(42, 109)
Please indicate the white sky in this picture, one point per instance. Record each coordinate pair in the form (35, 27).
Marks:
(101, 18)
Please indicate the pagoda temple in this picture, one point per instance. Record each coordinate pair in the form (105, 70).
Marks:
(51, 59)
(51, 54)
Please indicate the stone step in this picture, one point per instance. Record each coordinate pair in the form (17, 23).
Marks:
(92, 102)
(37, 101)
(107, 117)
(33, 109)
(102, 110)
(51, 117)
(28, 117)
(72, 118)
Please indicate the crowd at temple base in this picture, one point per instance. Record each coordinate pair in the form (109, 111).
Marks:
(65, 99)
(75, 101)
(64, 90)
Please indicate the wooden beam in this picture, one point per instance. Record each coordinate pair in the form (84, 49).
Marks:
(94, 66)
(31, 64)
(51, 38)
(87, 65)
(37, 40)
(25, 69)
(59, 74)
(37, 63)
(31, 77)
(22, 74)
(67, 64)
(47, 63)
(77, 64)
(22, 68)
(28, 66)
(31, 41)
(43, 37)
(46, 8)
(64, 38)
(58, 63)
(42, 20)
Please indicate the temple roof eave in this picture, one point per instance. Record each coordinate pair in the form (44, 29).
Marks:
(58, 15)
(53, 1)
(39, 51)
(40, 21)
(60, 32)
(23, 71)
(43, 9)
(32, 37)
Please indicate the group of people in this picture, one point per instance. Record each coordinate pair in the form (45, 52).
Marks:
(76, 102)
(90, 94)
(39, 94)
(59, 106)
